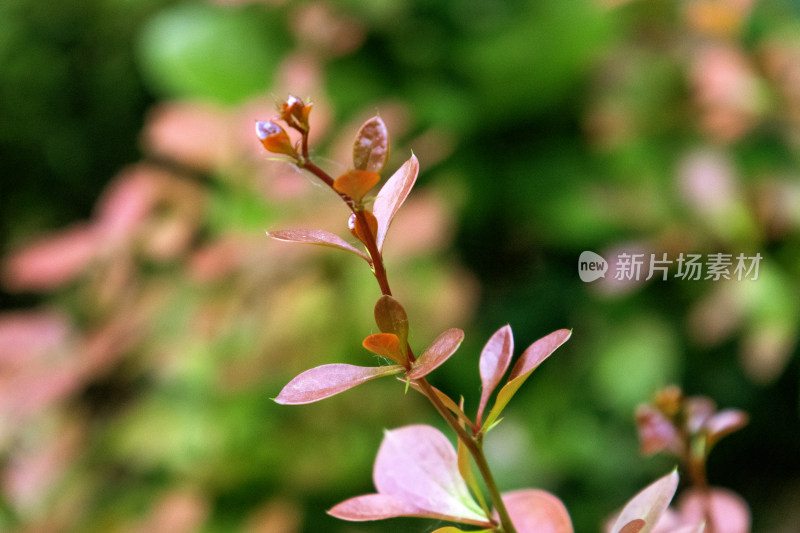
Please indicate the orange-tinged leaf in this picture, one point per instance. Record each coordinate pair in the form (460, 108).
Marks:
(356, 183)
(634, 526)
(386, 345)
(327, 380)
(274, 138)
(392, 195)
(316, 236)
(356, 225)
(437, 353)
(371, 146)
(528, 362)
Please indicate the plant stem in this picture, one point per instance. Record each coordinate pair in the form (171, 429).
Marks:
(476, 451)
(376, 261)
(472, 443)
(695, 464)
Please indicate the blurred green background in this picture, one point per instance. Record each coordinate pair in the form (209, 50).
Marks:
(146, 320)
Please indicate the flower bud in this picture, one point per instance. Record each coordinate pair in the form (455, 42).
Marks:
(274, 138)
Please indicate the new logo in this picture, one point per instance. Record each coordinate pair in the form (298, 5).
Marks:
(591, 266)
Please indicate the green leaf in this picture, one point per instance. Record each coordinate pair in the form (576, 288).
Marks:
(468, 473)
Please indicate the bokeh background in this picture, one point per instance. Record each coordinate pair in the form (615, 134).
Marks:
(147, 321)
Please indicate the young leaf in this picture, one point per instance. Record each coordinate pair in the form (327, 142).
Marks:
(359, 229)
(356, 183)
(530, 360)
(437, 353)
(392, 195)
(386, 345)
(418, 464)
(494, 361)
(391, 318)
(649, 504)
(327, 380)
(537, 511)
(371, 147)
(316, 236)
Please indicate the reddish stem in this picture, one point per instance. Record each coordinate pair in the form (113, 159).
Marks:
(472, 443)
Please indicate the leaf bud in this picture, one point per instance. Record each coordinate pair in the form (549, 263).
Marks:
(295, 113)
(274, 138)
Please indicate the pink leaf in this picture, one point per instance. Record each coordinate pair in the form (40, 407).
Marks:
(724, 423)
(656, 433)
(316, 236)
(495, 358)
(693, 528)
(729, 513)
(327, 380)
(437, 353)
(392, 195)
(649, 504)
(374, 507)
(698, 411)
(537, 511)
(53, 261)
(538, 352)
(530, 360)
(417, 464)
(382, 506)
(28, 336)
